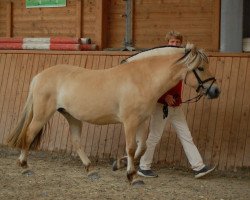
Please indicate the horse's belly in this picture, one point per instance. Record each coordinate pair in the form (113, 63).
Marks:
(101, 120)
(93, 114)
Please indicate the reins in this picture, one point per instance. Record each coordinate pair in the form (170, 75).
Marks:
(194, 99)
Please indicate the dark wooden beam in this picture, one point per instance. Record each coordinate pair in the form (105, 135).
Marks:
(101, 23)
(79, 18)
(9, 19)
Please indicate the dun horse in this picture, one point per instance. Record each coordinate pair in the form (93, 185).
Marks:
(124, 94)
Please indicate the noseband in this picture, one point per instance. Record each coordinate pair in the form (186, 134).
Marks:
(201, 85)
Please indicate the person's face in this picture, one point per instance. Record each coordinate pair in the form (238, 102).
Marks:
(174, 42)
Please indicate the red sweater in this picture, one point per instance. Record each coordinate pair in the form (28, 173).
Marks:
(175, 92)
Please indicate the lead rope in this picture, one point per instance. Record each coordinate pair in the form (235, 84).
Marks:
(192, 100)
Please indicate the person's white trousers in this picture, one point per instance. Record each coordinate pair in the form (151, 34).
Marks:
(157, 124)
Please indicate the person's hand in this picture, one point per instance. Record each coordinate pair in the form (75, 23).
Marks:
(170, 100)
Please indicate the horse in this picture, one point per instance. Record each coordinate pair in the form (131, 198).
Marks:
(141, 138)
(126, 93)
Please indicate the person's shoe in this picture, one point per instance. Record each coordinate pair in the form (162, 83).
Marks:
(147, 173)
(204, 171)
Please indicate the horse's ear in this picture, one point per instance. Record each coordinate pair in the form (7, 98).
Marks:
(190, 48)
(123, 61)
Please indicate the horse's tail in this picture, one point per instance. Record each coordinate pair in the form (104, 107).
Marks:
(17, 138)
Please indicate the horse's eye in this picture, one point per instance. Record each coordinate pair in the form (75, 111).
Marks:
(200, 69)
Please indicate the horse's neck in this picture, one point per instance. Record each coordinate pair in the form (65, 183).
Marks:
(165, 74)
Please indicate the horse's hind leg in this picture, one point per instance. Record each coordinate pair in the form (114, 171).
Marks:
(33, 130)
(75, 127)
(42, 111)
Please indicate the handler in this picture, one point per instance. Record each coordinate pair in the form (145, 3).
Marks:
(172, 101)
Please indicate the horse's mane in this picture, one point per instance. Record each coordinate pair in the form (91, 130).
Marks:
(191, 55)
(159, 50)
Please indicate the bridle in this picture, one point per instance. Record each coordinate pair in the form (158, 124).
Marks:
(196, 98)
(201, 85)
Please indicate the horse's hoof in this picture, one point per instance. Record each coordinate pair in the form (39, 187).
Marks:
(114, 166)
(22, 164)
(93, 175)
(137, 183)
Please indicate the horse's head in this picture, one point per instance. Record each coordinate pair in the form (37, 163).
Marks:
(198, 75)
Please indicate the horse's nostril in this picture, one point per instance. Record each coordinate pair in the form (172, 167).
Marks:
(216, 92)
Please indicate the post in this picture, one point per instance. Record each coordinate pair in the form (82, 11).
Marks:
(79, 18)
(9, 19)
(231, 25)
(128, 40)
(101, 23)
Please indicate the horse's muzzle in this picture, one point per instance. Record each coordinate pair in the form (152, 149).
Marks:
(213, 92)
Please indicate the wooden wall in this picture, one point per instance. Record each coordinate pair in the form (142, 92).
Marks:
(198, 21)
(220, 127)
(104, 22)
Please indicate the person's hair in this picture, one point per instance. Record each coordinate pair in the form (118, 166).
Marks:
(175, 35)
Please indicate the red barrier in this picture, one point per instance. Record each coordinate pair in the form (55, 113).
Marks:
(11, 40)
(88, 47)
(65, 47)
(51, 43)
(64, 40)
(11, 46)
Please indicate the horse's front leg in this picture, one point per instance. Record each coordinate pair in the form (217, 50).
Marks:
(141, 137)
(130, 128)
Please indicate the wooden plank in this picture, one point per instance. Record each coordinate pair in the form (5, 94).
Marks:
(246, 161)
(229, 114)
(226, 64)
(237, 109)
(77, 60)
(203, 136)
(213, 113)
(71, 59)
(2, 88)
(7, 93)
(9, 19)
(16, 91)
(243, 141)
